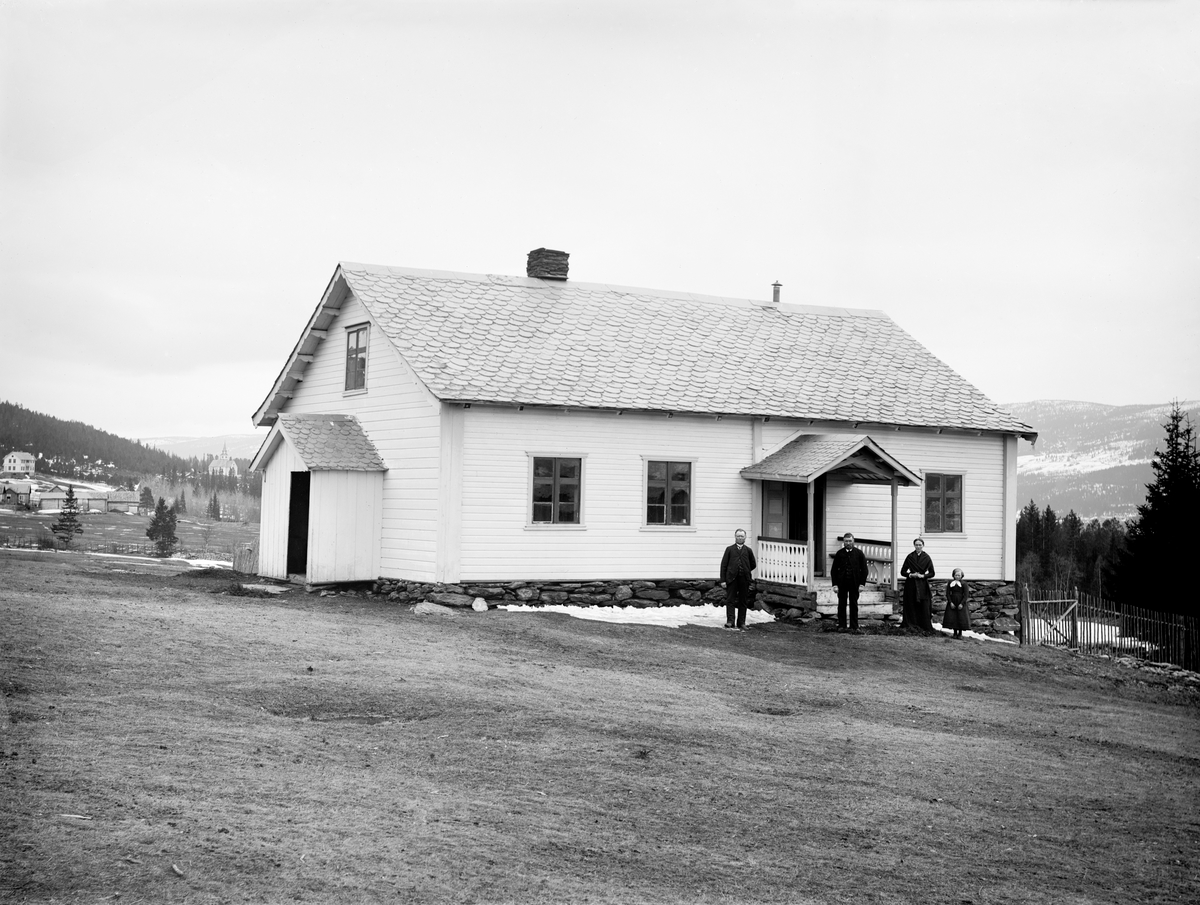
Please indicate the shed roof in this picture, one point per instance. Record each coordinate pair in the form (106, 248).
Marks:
(525, 341)
(325, 443)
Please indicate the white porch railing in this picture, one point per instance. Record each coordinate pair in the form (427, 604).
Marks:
(784, 562)
(879, 560)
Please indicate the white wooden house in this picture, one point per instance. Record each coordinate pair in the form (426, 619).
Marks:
(455, 427)
(20, 462)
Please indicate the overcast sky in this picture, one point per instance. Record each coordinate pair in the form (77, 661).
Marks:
(1016, 183)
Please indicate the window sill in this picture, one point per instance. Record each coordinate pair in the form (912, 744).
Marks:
(550, 526)
(361, 392)
(957, 535)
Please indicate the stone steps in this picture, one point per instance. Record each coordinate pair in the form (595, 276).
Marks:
(871, 601)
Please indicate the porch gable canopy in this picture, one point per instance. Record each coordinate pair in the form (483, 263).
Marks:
(858, 458)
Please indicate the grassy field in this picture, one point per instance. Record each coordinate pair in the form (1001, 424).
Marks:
(196, 534)
(167, 742)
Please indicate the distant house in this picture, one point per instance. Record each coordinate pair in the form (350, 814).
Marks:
(18, 462)
(455, 427)
(223, 465)
(15, 493)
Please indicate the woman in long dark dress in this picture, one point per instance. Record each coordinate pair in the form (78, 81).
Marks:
(918, 602)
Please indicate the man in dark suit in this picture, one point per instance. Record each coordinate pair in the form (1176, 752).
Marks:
(849, 573)
(736, 566)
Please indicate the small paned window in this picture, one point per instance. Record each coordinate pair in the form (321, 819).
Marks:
(557, 490)
(668, 493)
(356, 358)
(943, 503)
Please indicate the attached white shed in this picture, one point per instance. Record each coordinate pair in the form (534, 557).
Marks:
(322, 501)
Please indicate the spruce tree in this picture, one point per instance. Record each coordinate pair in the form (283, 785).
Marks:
(181, 503)
(66, 526)
(1164, 539)
(146, 498)
(162, 528)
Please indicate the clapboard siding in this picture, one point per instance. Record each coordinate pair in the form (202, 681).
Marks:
(401, 417)
(276, 498)
(497, 542)
(865, 509)
(343, 527)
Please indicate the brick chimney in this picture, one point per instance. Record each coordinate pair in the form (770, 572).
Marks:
(547, 264)
(776, 286)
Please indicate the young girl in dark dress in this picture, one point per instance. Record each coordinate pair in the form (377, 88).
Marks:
(958, 613)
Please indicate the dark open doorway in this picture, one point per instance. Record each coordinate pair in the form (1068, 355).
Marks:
(297, 549)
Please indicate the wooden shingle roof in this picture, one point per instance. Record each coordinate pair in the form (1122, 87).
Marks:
(324, 443)
(523, 341)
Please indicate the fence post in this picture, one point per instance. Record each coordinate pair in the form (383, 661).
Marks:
(1074, 622)
(1023, 609)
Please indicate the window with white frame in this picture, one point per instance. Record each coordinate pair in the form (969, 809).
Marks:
(668, 492)
(356, 357)
(557, 492)
(943, 503)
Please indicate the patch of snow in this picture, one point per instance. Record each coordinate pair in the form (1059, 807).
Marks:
(976, 635)
(667, 616)
(269, 588)
(209, 563)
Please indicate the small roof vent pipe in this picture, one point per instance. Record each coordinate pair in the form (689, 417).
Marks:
(775, 287)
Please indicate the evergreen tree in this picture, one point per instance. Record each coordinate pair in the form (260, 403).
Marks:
(181, 503)
(146, 499)
(66, 526)
(162, 528)
(214, 508)
(1166, 534)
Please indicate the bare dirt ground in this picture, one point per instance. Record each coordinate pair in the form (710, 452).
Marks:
(163, 741)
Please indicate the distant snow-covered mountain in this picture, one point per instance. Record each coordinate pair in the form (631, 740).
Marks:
(240, 446)
(1090, 457)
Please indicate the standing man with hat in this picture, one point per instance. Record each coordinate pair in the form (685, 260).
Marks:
(849, 573)
(736, 566)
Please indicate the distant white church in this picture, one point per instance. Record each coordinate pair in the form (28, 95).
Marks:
(20, 463)
(223, 465)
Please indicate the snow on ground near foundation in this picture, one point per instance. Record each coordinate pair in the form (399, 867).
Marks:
(667, 616)
(676, 616)
(976, 635)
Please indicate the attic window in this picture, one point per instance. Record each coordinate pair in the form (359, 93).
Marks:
(356, 358)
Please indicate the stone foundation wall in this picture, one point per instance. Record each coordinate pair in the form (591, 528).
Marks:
(665, 592)
(993, 604)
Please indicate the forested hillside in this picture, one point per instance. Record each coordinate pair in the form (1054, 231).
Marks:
(75, 448)
(1091, 458)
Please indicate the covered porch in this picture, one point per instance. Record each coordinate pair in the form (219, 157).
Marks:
(792, 480)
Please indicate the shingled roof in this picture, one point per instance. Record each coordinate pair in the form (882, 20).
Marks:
(807, 458)
(328, 443)
(524, 341)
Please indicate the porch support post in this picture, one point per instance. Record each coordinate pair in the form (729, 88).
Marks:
(812, 547)
(895, 534)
